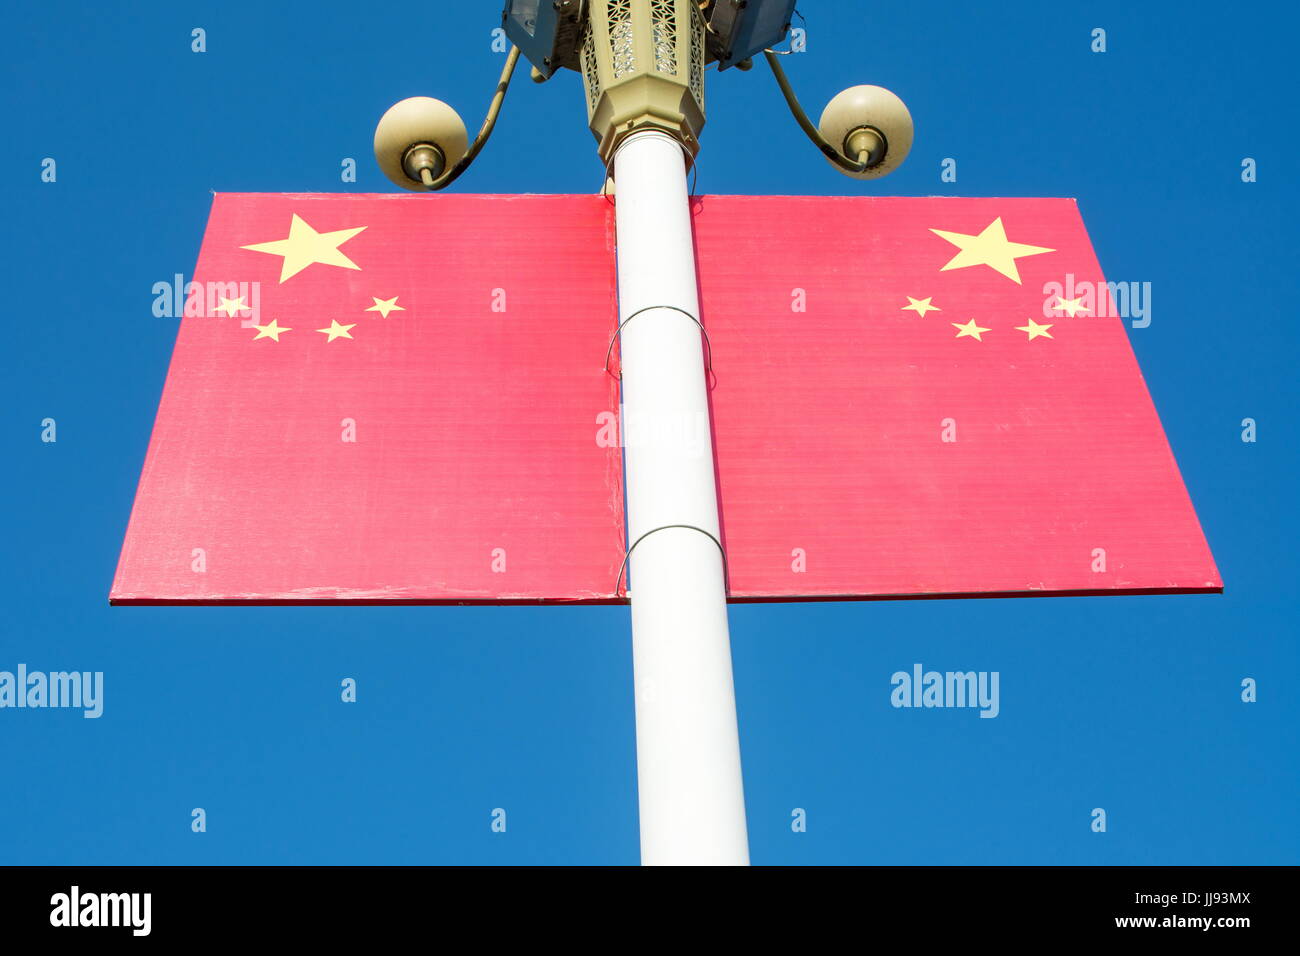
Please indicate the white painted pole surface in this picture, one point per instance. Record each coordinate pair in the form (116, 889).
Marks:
(688, 751)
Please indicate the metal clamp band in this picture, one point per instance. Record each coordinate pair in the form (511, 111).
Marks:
(623, 567)
(708, 346)
(691, 161)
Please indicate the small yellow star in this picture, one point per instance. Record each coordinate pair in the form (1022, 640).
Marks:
(231, 306)
(270, 331)
(1034, 330)
(304, 246)
(990, 248)
(970, 328)
(921, 306)
(1071, 305)
(336, 331)
(384, 306)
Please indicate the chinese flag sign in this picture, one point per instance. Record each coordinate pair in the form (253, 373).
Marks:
(409, 405)
(926, 397)
(408, 418)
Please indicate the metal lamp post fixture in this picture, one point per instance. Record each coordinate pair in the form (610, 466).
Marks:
(643, 66)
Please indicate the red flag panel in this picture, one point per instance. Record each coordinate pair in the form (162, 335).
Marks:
(414, 410)
(410, 417)
(896, 413)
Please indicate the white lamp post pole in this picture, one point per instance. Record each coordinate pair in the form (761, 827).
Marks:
(688, 751)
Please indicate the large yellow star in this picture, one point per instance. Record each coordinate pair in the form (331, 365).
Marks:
(1071, 305)
(990, 248)
(970, 328)
(384, 306)
(1034, 330)
(304, 246)
(921, 306)
(231, 306)
(272, 331)
(336, 331)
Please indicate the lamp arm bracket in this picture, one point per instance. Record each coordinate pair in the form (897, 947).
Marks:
(813, 133)
(485, 131)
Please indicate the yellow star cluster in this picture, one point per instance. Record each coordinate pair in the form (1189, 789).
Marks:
(991, 248)
(304, 247)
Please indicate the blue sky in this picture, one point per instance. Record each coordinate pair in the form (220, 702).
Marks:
(1126, 703)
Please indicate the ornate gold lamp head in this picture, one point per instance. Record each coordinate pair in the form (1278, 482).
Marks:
(643, 68)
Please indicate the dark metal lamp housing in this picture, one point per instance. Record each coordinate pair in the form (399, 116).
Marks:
(547, 32)
(738, 29)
